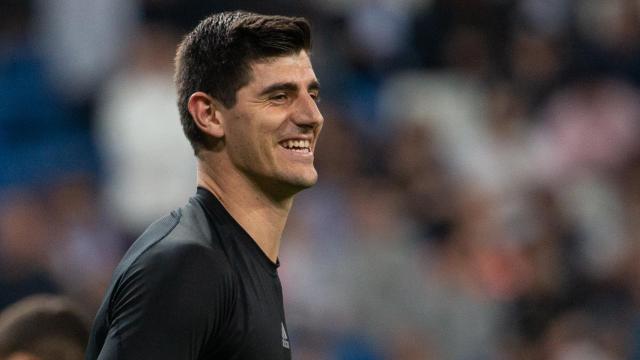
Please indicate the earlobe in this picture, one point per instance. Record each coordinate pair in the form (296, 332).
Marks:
(204, 112)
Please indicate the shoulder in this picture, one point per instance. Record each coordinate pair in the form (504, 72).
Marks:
(175, 279)
(182, 239)
(176, 259)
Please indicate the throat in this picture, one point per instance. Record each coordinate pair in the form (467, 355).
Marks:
(261, 215)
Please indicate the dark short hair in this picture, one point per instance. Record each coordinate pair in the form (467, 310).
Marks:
(47, 326)
(216, 57)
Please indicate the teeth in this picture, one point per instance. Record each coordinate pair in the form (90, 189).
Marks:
(297, 145)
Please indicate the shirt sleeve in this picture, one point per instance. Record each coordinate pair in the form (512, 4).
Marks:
(171, 304)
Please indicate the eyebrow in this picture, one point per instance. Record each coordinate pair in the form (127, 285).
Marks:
(288, 86)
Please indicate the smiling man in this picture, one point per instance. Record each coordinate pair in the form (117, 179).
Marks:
(202, 282)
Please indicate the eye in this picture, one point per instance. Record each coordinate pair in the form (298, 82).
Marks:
(315, 97)
(279, 97)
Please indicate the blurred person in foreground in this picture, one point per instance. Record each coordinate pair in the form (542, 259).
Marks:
(43, 327)
(202, 282)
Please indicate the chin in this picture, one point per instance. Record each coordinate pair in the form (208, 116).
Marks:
(300, 183)
(305, 183)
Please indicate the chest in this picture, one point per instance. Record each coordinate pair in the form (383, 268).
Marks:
(257, 329)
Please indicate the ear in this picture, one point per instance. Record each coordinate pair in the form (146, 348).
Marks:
(205, 113)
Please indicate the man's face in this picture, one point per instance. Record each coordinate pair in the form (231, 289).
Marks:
(271, 132)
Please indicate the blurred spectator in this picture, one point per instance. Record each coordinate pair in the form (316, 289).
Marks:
(535, 65)
(387, 296)
(588, 130)
(40, 138)
(608, 37)
(48, 159)
(84, 246)
(453, 107)
(140, 135)
(24, 246)
(550, 17)
(83, 41)
(589, 126)
(43, 327)
(414, 164)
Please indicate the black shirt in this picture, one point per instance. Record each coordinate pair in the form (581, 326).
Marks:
(193, 286)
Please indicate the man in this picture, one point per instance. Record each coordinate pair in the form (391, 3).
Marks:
(43, 327)
(202, 283)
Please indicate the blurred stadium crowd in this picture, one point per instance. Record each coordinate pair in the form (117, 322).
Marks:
(479, 193)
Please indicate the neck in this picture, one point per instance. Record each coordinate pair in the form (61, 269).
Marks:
(263, 217)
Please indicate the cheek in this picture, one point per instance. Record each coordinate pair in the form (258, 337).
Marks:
(253, 137)
(250, 145)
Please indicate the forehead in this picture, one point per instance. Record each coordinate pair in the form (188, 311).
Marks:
(295, 68)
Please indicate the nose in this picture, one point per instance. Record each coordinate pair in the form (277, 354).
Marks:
(307, 113)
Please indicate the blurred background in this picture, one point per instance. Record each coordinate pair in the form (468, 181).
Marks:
(479, 193)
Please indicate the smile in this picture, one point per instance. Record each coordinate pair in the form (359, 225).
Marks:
(302, 146)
